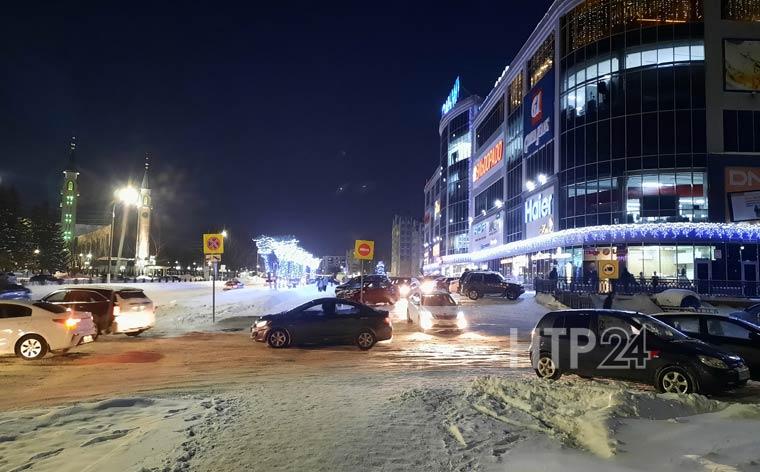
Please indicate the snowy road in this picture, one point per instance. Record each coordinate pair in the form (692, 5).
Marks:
(190, 395)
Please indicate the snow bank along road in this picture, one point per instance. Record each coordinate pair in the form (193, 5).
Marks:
(192, 396)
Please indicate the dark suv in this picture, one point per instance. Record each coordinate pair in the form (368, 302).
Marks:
(479, 283)
(631, 346)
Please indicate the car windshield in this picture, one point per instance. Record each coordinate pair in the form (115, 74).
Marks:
(438, 299)
(127, 294)
(658, 328)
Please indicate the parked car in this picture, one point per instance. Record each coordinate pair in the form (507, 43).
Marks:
(14, 292)
(144, 278)
(727, 333)
(479, 283)
(751, 314)
(678, 298)
(406, 285)
(324, 321)
(31, 330)
(115, 310)
(664, 357)
(435, 311)
(233, 284)
(373, 293)
(43, 279)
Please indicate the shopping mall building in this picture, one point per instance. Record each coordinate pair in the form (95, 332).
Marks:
(624, 135)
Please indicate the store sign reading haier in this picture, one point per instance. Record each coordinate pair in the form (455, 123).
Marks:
(452, 99)
(538, 109)
(539, 213)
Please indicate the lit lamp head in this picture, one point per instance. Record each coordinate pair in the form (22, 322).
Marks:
(127, 195)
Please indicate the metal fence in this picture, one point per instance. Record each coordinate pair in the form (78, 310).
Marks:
(714, 288)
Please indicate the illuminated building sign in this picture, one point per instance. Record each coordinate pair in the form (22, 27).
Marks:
(538, 110)
(452, 99)
(489, 160)
(487, 233)
(539, 213)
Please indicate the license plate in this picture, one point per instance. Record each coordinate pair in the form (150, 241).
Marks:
(87, 339)
(743, 374)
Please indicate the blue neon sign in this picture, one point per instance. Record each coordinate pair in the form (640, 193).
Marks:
(452, 99)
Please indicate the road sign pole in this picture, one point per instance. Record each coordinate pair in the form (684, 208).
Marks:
(361, 284)
(213, 294)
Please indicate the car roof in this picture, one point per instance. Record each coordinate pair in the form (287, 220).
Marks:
(596, 311)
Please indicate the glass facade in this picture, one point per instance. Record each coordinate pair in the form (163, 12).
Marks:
(456, 148)
(632, 120)
(740, 10)
(490, 124)
(491, 197)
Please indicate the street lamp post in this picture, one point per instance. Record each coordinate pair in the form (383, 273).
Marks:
(128, 196)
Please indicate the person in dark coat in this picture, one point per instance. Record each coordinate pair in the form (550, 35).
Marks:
(553, 273)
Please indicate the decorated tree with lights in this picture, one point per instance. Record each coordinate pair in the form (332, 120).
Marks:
(284, 258)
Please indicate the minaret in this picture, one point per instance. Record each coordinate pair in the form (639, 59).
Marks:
(69, 197)
(142, 247)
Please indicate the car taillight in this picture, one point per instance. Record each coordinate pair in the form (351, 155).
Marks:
(387, 320)
(69, 323)
(654, 353)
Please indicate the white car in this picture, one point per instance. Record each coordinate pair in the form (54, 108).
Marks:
(31, 330)
(677, 298)
(435, 311)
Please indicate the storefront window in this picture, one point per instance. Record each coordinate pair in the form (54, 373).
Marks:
(666, 197)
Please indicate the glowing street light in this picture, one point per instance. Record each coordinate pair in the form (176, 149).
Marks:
(37, 252)
(128, 196)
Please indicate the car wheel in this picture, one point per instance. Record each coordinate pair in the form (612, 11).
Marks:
(278, 339)
(511, 295)
(675, 380)
(690, 302)
(365, 340)
(473, 294)
(31, 347)
(545, 367)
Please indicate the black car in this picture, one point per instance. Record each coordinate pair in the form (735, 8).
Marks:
(631, 346)
(727, 333)
(324, 321)
(44, 279)
(355, 282)
(479, 283)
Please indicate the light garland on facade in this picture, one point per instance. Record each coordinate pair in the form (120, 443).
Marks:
(614, 234)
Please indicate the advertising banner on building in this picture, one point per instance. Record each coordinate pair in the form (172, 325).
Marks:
(742, 179)
(539, 212)
(741, 62)
(487, 233)
(744, 206)
(538, 114)
(488, 163)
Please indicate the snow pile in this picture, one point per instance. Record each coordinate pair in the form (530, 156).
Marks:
(583, 413)
(138, 433)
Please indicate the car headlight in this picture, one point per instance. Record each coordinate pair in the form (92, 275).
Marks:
(404, 290)
(428, 286)
(426, 319)
(461, 320)
(262, 323)
(713, 362)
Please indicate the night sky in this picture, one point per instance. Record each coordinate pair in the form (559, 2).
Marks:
(255, 117)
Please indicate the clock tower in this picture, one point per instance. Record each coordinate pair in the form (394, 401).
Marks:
(69, 197)
(142, 246)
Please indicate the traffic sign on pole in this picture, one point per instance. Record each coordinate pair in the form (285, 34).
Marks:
(213, 243)
(364, 250)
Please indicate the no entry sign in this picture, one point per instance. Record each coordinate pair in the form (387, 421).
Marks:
(364, 250)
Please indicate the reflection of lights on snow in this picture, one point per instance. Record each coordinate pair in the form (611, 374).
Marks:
(426, 319)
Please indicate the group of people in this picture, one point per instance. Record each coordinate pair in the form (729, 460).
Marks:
(625, 282)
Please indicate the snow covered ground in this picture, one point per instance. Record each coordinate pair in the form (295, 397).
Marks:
(339, 409)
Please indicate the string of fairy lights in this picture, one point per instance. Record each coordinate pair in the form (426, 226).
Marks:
(614, 234)
(283, 256)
